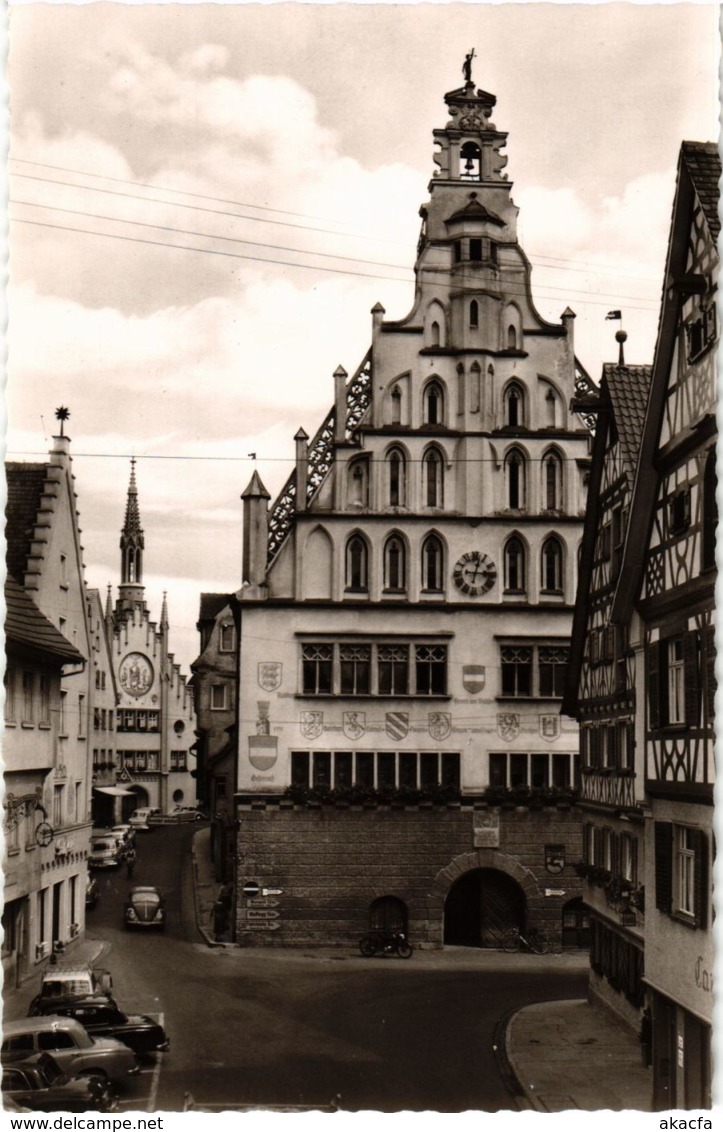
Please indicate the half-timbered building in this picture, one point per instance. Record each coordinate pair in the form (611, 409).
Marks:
(601, 694)
(406, 607)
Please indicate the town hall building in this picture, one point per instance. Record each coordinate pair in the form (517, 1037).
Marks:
(406, 604)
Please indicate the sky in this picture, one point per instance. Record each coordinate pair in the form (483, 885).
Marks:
(207, 200)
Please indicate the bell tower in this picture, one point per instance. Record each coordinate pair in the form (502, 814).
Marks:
(131, 589)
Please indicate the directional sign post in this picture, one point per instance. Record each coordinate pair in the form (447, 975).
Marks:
(251, 888)
(272, 891)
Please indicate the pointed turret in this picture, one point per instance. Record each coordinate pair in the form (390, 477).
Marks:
(255, 531)
(130, 592)
(164, 612)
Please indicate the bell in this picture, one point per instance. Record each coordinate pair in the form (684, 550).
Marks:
(469, 165)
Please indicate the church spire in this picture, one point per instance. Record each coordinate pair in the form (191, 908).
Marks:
(130, 593)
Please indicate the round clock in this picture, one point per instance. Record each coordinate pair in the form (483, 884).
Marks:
(474, 573)
(136, 674)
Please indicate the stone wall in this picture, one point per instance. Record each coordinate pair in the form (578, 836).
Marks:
(331, 862)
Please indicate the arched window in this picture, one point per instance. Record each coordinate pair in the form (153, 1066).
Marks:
(433, 404)
(511, 338)
(515, 476)
(435, 333)
(514, 406)
(552, 482)
(473, 315)
(396, 405)
(397, 478)
(359, 484)
(475, 394)
(550, 408)
(357, 560)
(395, 564)
(472, 166)
(433, 484)
(551, 566)
(515, 571)
(432, 564)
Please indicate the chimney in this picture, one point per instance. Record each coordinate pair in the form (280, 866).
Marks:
(302, 469)
(340, 376)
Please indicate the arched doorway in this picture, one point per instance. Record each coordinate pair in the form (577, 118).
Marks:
(480, 906)
(388, 914)
(575, 924)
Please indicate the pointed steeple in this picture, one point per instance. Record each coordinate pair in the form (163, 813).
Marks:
(130, 592)
(164, 612)
(109, 604)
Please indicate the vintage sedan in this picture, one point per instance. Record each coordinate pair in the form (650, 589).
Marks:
(39, 1085)
(102, 1018)
(145, 908)
(74, 1049)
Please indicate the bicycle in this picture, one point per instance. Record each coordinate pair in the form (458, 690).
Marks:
(535, 941)
(385, 943)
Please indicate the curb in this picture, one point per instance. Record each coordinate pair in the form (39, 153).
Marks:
(508, 1070)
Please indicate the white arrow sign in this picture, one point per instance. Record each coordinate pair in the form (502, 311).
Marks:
(272, 891)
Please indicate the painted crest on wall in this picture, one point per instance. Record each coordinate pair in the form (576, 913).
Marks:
(473, 677)
(440, 724)
(269, 675)
(549, 726)
(354, 724)
(397, 724)
(311, 724)
(136, 674)
(508, 725)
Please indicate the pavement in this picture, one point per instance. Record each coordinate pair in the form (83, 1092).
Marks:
(556, 1056)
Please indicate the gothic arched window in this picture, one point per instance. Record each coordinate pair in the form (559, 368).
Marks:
(433, 481)
(432, 564)
(511, 337)
(552, 481)
(357, 562)
(359, 484)
(396, 405)
(435, 333)
(474, 315)
(395, 564)
(551, 564)
(397, 466)
(550, 409)
(433, 404)
(514, 406)
(514, 564)
(515, 479)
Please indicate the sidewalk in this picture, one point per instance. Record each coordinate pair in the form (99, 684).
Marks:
(16, 1000)
(570, 1055)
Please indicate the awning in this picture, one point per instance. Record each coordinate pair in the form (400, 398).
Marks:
(116, 791)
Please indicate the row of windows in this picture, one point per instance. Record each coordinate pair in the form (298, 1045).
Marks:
(538, 770)
(516, 465)
(514, 397)
(533, 670)
(432, 563)
(608, 746)
(28, 702)
(148, 760)
(379, 770)
(137, 719)
(616, 852)
(374, 669)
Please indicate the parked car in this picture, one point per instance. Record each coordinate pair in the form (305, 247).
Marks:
(105, 852)
(76, 1052)
(126, 832)
(92, 891)
(67, 980)
(145, 908)
(38, 1084)
(103, 1018)
(139, 818)
(189, 813)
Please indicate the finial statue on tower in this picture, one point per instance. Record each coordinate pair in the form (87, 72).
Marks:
(467, 66)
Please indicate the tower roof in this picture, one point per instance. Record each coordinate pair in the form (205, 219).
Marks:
(132, 523)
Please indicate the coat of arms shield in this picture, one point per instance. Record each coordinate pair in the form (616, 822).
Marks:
(269, 675)
(440, 724)
(508, 725)
(473, 678)
(354, 724)
(311, 724)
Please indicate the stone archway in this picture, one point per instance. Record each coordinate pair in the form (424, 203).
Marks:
(477, 895)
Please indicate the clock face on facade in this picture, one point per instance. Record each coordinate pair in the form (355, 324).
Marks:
(136, 674)
(474, 573)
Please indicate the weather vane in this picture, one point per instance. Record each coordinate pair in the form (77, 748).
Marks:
(62, 415)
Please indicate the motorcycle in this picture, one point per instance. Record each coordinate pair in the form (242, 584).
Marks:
(385, 943)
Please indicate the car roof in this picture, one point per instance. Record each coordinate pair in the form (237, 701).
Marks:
(42, 1022)
(141, 888)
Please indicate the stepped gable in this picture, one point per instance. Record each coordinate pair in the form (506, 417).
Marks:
(629, 387)
(25, 484)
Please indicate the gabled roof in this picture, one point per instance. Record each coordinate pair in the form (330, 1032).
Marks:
(25, 487)
(629, 387)
(475, 210)
(27, 627)
(703, 163)
(211, 605)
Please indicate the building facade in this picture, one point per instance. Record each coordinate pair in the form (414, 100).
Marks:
(666, 596)
(406, 607)
(154, 717)
(48, 699)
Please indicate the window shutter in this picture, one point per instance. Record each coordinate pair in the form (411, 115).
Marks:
(654, 705)
(700, 896)
(710, 680)
(664, 866)
(692, 682)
